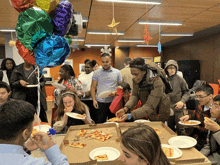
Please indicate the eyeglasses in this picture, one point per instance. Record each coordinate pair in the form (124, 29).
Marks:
(213, 106)
(200, 97)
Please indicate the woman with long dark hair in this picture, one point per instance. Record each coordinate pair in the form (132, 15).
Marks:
(141, 146)
(7, 66)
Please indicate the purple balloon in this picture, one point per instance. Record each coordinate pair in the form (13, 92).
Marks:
(62, 19)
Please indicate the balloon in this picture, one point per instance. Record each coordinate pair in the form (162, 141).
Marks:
(51, 52)
(22, 5)
(62, 19)
(46, 4)
(73, 29)
(69, 40)
(26, 54)
(33, 25)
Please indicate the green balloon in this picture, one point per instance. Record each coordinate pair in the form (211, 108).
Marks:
(73, 29)
(33, 25)
(69, 39)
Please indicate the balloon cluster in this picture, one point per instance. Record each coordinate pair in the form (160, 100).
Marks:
(41, 29)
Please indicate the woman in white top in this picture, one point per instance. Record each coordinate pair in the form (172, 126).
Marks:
(86, 79)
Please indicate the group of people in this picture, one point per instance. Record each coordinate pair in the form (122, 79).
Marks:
(137, 91)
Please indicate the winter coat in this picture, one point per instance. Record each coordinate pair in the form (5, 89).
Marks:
(151, 92)
(179, 85)
(19, 92)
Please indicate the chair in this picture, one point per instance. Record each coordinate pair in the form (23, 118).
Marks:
(215, 88)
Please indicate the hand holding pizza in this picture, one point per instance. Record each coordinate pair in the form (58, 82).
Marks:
(211, 125)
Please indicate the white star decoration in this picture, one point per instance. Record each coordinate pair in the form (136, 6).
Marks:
(106, 50)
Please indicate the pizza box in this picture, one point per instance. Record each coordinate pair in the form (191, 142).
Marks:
(80, 156)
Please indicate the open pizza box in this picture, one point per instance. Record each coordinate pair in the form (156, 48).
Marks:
(80, 156)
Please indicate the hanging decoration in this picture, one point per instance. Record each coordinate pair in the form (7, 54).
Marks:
(47, 5)
(159, 44)
(147, 36)
(11, 42)
(75, 44)
(22, 5)
(113, 26)
(106, 50)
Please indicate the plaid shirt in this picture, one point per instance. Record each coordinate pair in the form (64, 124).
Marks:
(70, 82)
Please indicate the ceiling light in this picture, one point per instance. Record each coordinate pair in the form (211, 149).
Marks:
(78, 39)
(97, 45)
(151, 22)
(130, 40)
(177, 34)
(85, 19)
(105, 32)
(152, 2)
(7, 30)
(143, 45)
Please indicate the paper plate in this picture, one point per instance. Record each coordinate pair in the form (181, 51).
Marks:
(177, 152)
(74, 115)
(198, 122)
(60, 86)
(108, 122)
(104, 94)
(31, 86)
(112, 153)
(141, 121)
(182, 141)
(43, 128)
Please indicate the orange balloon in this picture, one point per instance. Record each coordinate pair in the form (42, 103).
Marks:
(25, 53)
(22, 5)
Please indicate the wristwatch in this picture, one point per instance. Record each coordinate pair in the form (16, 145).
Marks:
(26, 150)
(129, 116)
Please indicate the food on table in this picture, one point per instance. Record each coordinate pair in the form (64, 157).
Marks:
(168, 151)
(82, 132)
(115, 119)
(101, 157)
(156, 130)
(33, 132)
(99, 135)
(190, 122)
(77, 145)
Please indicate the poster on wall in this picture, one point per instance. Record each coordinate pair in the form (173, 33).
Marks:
(81, 68)
(46, 72)
(148, 59)
(157, 59)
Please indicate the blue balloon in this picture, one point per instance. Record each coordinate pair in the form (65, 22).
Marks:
(51, 52)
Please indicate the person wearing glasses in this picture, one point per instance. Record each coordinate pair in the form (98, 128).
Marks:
(178, 96)
(204, 94)
(7, 66)
(141, 146)
(212, 148)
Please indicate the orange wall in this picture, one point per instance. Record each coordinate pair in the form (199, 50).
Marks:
(143, 52)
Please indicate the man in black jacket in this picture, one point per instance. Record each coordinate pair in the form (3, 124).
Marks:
(22, 80)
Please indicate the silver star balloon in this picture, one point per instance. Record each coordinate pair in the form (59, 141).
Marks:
(106, 50)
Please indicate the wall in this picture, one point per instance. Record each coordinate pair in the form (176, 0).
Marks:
(2, 52)
(79, 57)
(143, 52)
(120, 55)
(205, 49)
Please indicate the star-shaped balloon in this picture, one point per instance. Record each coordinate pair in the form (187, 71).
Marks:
(74, 45)
(159, 47)
(113, 26)
(106, 50)
(147, 36)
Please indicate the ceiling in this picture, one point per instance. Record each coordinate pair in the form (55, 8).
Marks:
(196, 15)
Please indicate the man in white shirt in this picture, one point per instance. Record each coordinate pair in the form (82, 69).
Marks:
(16, 118)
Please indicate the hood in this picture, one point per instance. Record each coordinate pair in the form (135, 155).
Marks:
(171, 62)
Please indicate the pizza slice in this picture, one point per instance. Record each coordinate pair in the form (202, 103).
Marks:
(168, 151)
(77, 145)
(101, 157)
(82, 132)
(80, 116)
(156, 130)
(206, 119)
(115, 119)
(33, 132)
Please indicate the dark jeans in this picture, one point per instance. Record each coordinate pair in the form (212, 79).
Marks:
(173, 120)
(92, 109)
(103, 112)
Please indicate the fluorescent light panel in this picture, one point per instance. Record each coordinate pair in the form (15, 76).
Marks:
(152, 22)
(117, 47)
(96, 45)
(78, 39)
(177, 34)
(130, 40)
(7, 30)
(142, 45)
(105, 32)
(152, 2)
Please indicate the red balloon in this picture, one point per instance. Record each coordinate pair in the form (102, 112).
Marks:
(26, 54)
(22, 5)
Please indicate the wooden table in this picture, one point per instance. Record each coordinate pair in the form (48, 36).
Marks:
(190, 156)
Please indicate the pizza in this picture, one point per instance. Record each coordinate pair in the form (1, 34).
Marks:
(82, 132)
(33, 132)
(80, 116)
(115, 119)
(77, 145)
(207, 119)
(101, 157)
(190, 122)
(99, 135)
(168, 151)
(67, 109)
(156, 130)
